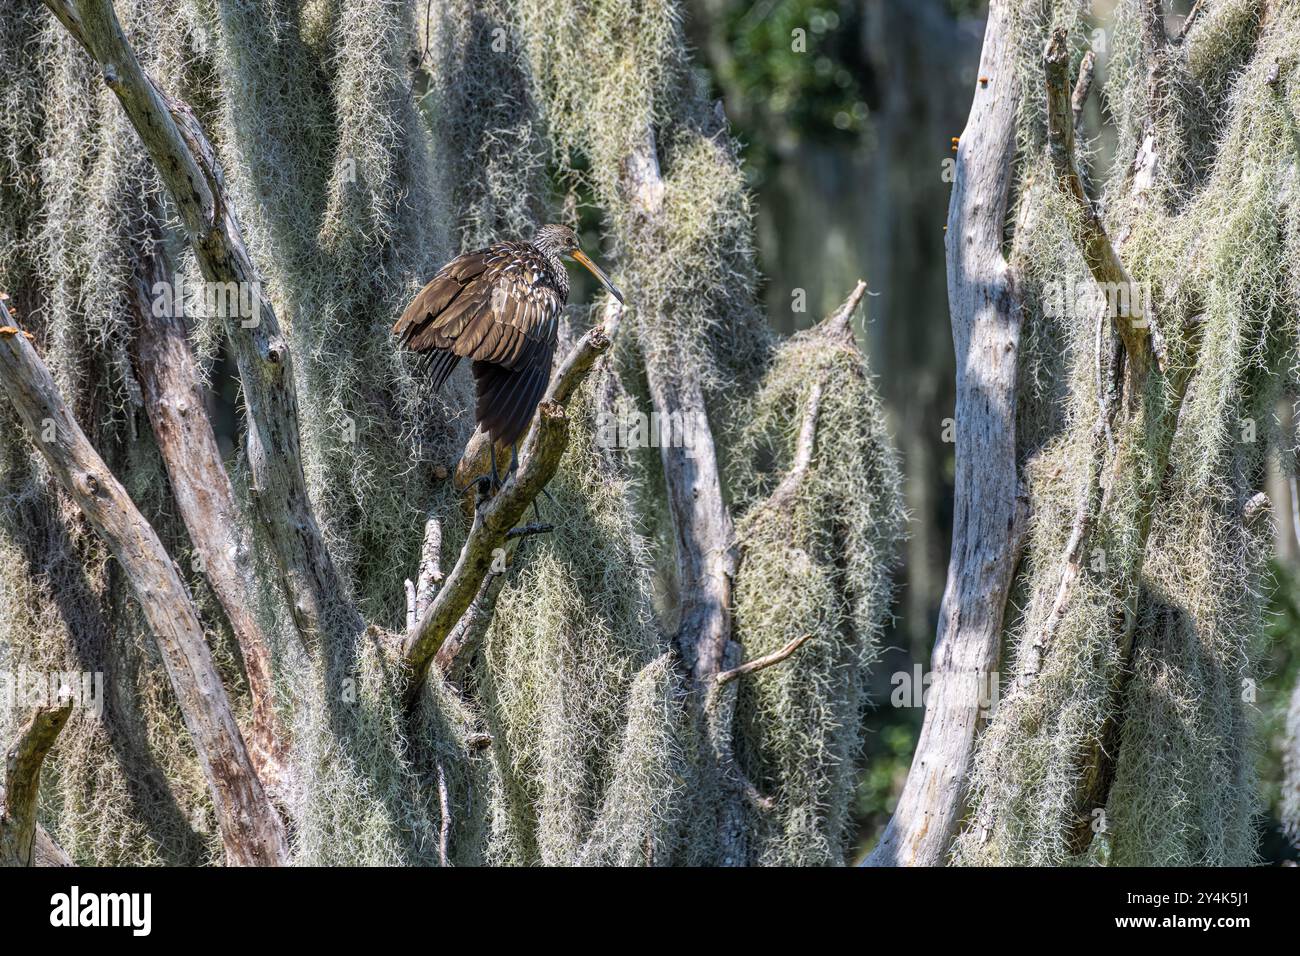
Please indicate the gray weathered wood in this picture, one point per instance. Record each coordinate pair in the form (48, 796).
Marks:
(252, 833)
(169, 383)
(986, 337)
(188, 166)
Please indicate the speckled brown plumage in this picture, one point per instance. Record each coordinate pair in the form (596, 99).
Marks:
(499, 307)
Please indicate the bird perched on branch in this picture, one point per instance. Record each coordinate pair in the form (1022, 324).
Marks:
(500, 308)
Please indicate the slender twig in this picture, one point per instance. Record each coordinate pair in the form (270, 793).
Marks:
(527, 530)
(1192, 16)
(767, 660)
(444, 826)
(789, 485)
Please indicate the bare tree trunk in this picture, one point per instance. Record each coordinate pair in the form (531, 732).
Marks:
(986, 523)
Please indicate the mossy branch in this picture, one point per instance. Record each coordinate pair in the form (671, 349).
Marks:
(251, 831)
(493, 520)
(22, 773)
(187, 163)
(1090, 233)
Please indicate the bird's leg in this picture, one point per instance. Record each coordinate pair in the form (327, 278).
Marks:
(514, 458)
(496, 478)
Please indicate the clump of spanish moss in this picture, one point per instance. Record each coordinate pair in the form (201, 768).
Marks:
(818, 547)
(605, 77)
(81, 204)
(574, 627)
(347, 218)
(1144, 679)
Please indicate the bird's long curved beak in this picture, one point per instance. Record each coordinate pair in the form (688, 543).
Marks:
(598, 272)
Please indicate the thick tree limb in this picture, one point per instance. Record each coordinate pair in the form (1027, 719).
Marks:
(188, 166)
(986, 336)
(493, 521)
(251, 831)
(704, 535)
(702, 526)
(45, 852)
(22, 773)
(169, 382)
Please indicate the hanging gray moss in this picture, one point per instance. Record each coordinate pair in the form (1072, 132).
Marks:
(1216, 244)
(602, 75)
(574, 627)
(815, 562)
(325, 148)
(80, 201)
(572, 739)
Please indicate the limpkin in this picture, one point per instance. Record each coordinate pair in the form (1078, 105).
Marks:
(500, 308)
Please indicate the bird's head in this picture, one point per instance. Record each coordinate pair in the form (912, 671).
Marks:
(563, 241)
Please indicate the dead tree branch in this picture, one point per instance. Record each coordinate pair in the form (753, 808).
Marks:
(251, 831)
(767, 660)
(22, 774)
(420, 593)
(494, 520)
(986, 513)
(169, 382)
(1094, 242)
(703, 531)
(702, 526)
(188, 166)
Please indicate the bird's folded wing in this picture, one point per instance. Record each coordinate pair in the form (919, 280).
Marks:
(494, 305)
